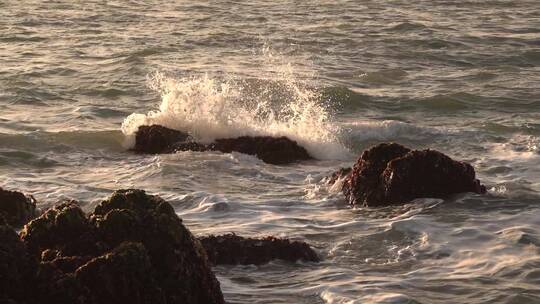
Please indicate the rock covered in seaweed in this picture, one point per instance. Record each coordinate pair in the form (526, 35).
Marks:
(232, 249)
(179, 260)
(390, 173)
(17, 208)
(132, 249)
(273, 150)
(125, 275)
(63, 228)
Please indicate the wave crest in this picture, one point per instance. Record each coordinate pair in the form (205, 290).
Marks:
(210, 108)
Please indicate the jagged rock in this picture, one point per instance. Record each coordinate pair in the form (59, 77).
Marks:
(16, 266)
(124, 275)
(64, 228)
(178, 258)
(17, 208)
(157, 139)
(390, 173)
(232, 249)
(132, 249)
(272, 150)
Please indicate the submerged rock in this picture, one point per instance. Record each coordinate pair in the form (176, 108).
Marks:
(390, 173)
(132, 249)
(232, 249)
(17, 208)
(273, 150)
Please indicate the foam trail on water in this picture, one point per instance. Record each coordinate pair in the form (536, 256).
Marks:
(209, 108)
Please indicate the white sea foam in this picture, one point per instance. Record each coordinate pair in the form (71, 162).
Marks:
(210, 107)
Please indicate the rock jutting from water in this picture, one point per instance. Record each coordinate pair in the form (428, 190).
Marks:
(230, 249)
(157, 139)
(132, 249)
(17, 208)
(389, 173)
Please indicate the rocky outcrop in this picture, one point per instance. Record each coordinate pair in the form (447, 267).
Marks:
(232, 250)
(390, 173)
(132, 249)
(273, 150)
(179, 261)
(17, 208)
(156, 139)
(16, 266)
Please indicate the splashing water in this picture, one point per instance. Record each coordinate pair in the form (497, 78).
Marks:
(210, 108)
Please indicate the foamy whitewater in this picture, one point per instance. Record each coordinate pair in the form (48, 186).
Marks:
(209, 109)
(78, 79)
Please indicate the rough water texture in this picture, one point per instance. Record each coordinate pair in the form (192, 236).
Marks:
(271, 150)
(337, 77)
(390, 173)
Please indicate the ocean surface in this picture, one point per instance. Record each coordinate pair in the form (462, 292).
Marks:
(78, 77)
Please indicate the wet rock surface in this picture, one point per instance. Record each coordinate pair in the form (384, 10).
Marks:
(231, 249)
(390, 173)
(342, 173)
(131, 249)
(157, 139)
(273, 150)
(17, 208)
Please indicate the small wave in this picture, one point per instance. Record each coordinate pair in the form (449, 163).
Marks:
(51, 141)
(448, 102)
(407, 27)
(390, 76)
(361, 134)
(209, 108)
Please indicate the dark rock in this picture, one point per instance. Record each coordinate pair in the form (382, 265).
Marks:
(272, 150)
(232, 249)
(16, 266)
(157, 139)
(390, 173)
(364, 185)
(124, 275)
(132, 249)
(55, 284)
(178, 258)
(17, 208)
(64, 228)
